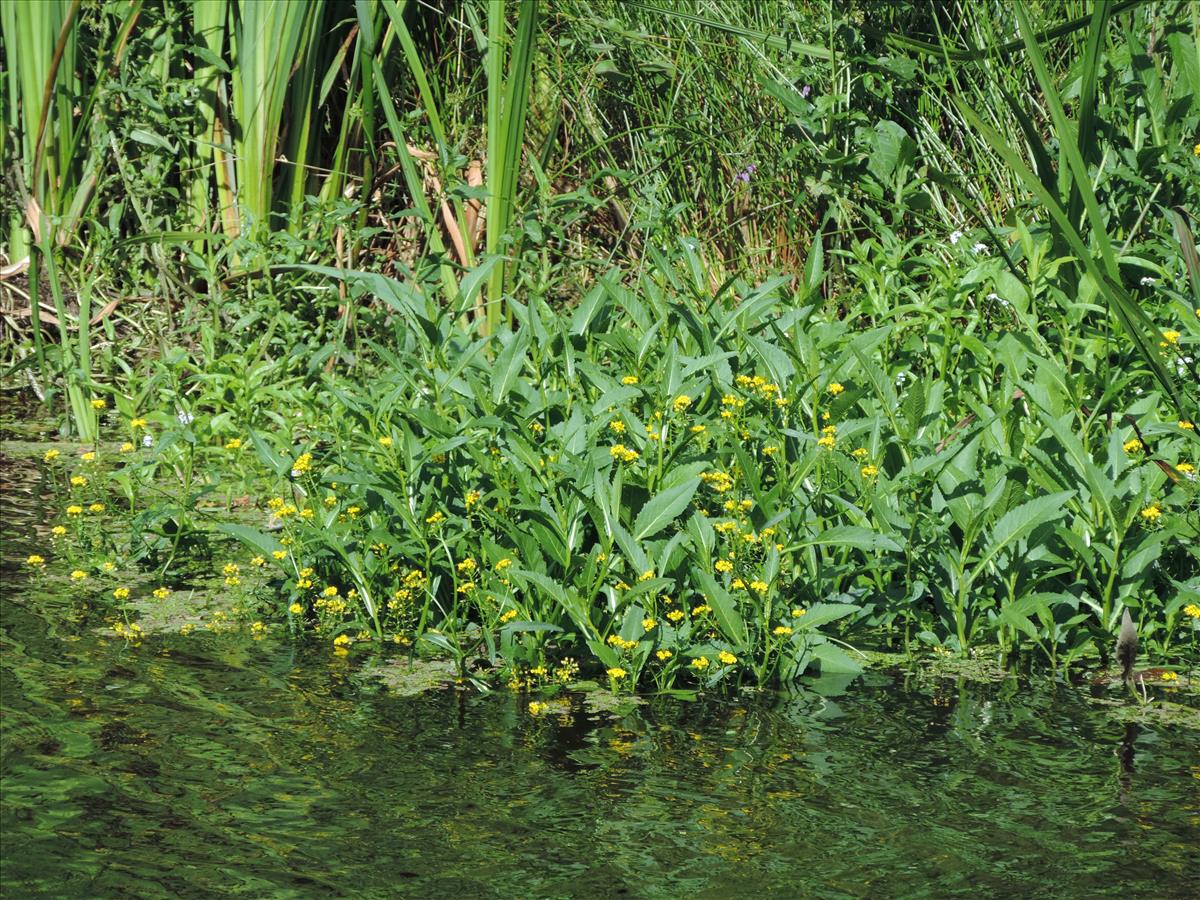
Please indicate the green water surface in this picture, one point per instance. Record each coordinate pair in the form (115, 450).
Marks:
(210, 765)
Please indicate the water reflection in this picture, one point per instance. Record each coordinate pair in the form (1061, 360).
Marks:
(215, 764)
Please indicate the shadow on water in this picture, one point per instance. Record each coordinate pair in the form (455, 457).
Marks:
(209, 765)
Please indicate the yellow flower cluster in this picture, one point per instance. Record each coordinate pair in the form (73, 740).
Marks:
(1192, 611)
(681, 403)
(623, 453)
(302, 464)
(615, 640)
(718, 481)
(1131, 446)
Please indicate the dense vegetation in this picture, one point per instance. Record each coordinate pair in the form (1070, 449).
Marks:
(685, 343)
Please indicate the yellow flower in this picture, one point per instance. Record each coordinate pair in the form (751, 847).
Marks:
(681, 403)
(836, 388)
(1186, 425)
(508, 615)
(258, 561)
(503, 564)
(51, 456)
(108, 566)
(78, 575)
(723, 565)
(258, 629)
(1152, 513)
(1131, 446)
(472, 498)
(760, 586)
(353, 511)
(330, 591)
(99, 403)
(1169, 676)
(664, 655)
(675, 615)
(1196, 150)
(233, 581)
(737, 584)
(1170, 337)
(58, 530)
(342, 640)
(135, 424)
(726, 657)
(623, 453)
(296, 609)
(869, 471)
(699, 663)
(701, 609)
(616, 672)
(536, 708)
(828, 442)
(860, 453)
(35, 561)
(162, 593)
(96, 508)
(279, 554)
(302, 464)
(74, 510)
(385, 441)
(127, 447)
(782, 630)
(1192, 611)
(798, 612)
(629, 379)
(698, 429)
(436, 519)
(121, 593)
(233, 444)
(649, 624)
(90, 456)
(78, 481)
(1186, 468)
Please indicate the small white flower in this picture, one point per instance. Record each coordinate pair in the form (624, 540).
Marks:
(1147, 281)
(955, 236)
(980, 247)
(296, 473)
(185, 418)
(147, 441)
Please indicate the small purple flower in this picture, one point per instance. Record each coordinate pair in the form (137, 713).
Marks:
(805, 91)
(744, 175)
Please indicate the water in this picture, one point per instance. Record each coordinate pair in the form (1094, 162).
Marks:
(216, 765)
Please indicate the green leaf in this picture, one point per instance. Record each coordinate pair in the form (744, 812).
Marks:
(509, 363)
(663, 508)
(251, 536)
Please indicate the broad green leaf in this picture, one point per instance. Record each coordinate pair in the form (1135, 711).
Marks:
(662, 509)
